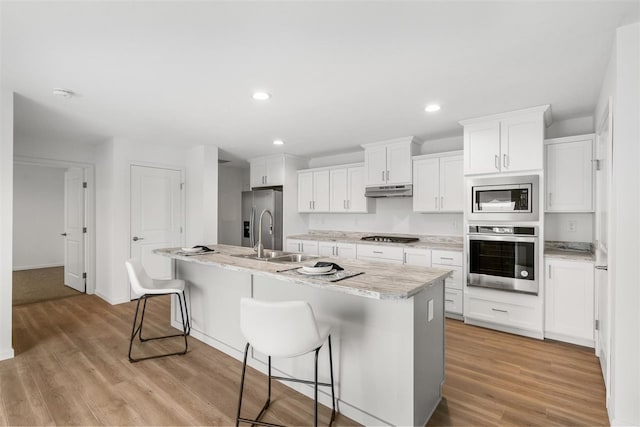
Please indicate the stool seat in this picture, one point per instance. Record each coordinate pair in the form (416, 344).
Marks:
(159, 286)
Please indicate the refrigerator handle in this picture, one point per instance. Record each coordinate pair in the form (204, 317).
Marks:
(251, 234)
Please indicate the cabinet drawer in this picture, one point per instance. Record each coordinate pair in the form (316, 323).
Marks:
(455, 280)
(513, 315)
(446, 258)
(453, 301)
(383, 252)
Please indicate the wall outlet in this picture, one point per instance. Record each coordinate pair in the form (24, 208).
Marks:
(430, 310)
(573, 226)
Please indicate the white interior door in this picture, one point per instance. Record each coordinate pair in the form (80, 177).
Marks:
(74, 223)
(603, 290)
(156, 217)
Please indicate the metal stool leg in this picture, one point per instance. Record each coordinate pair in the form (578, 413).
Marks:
(315, 391)
(333, 396)
(244, 370)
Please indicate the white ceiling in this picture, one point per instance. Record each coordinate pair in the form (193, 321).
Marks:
(341, 73)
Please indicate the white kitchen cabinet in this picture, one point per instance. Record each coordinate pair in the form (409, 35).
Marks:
(507, 142)
(309, 247)
(346, 190)
(451, 260)
(417, 256)
(569, 301)
(438, 183)
(313, 191)
(392, 254)
(337, 249)
(266, 171)
(569, 174)
(389, 162)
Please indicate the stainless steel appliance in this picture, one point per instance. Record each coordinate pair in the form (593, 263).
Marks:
(389, 191)
(503, 257)
(513, 198)
(253, 203)
(390, 239)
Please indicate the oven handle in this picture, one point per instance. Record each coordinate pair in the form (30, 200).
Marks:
(503, 238)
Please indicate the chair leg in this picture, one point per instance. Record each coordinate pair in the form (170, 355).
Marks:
(144, 309)
(333, 396)
(133, 330)
(315, 391)
(244, 370)
(184, 324)
(186, 310)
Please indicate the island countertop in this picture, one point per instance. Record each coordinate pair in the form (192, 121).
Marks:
(379, 281)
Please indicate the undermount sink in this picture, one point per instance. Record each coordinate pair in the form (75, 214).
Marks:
(278, 256)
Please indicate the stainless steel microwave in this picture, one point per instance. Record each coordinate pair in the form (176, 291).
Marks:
(513, 198)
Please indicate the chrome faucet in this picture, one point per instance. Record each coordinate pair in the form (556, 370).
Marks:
(260, 246)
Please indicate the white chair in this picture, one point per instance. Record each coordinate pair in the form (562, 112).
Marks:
(147, 287)
(283, 329)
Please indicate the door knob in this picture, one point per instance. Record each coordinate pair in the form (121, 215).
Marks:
(63, 234)
(602, 267)
(136, 238)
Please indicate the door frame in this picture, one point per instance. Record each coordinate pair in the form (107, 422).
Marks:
(89, 210)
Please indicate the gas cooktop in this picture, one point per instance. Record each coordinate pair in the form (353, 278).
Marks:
(390, 239)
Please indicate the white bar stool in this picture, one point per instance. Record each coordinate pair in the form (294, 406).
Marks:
(283, 329)
(142, 284)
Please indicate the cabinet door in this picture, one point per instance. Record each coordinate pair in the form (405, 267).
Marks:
(521, 140)
(309, 247)
(399, 163)
(327, 249)
(274, 171)
(375, 163)
(419, 257)
(356, 202)
(482, 148)
(293, 246)
(569, 309)
(258, 172)
(338, 190)
(426, 194)
(569, 176)
(321, 191)
(451, 184)
(305, 191)
(346, 250)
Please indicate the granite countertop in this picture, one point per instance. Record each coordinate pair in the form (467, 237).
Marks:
(446, 243)
(573, 251)
(379, 281)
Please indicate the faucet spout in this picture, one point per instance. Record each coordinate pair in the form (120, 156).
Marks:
(260, 245)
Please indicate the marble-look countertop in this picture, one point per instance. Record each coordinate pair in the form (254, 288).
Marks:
(445, 243)
(573, 251)
(379, 281)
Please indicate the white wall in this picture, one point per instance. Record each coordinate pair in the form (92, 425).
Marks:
(570, 127)
(232, 181)
(68, 152)
(556, 227)
(621, 83)
(38, 213)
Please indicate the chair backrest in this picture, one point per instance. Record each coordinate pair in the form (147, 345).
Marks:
(140, 280)
(280, 329)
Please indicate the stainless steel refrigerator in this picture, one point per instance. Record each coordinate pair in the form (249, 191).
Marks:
(253, 203)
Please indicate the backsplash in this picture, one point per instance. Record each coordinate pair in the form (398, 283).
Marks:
(569, 246)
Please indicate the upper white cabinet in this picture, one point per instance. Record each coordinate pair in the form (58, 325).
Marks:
(569, 174)
(389, 162)
(507, 142)
(569, 301)
(438, 183)
(313, 190)
(346, 190)
(267, 171)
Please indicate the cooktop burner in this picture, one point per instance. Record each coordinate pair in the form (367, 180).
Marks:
(390, 239)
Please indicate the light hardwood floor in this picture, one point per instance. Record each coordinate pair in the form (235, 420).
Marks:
(71, 369)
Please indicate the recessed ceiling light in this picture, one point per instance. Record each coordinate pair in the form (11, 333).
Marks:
(278, 142)
(65, 93)
(432, 108)
(261, 96)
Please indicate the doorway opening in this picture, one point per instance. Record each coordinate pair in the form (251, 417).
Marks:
(53, 232)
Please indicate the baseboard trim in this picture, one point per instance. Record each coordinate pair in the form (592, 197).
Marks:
(36, 266)
(109, 300)
(570, 339)
(6, 354)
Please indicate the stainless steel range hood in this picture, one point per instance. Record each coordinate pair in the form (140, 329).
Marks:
(389, 191)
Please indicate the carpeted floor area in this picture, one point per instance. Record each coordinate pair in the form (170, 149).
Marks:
(41, 284)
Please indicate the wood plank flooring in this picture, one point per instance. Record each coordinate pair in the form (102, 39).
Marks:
(71, 369)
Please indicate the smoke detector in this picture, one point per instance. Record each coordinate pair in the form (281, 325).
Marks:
(65, 93)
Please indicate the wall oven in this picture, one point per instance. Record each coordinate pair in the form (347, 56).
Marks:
(503, 257)
(513, 198)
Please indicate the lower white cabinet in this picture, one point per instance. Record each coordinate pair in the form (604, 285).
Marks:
(337, 249)
(569, 301)
(417, 256)
(454, 291)
(394, 254)
(453, 300)
(512, 310)
(309, 247)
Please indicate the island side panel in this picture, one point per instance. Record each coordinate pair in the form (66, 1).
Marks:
(372, 347)
(428, 351)
(213, 296)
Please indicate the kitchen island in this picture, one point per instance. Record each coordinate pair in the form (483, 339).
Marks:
(388, 327)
